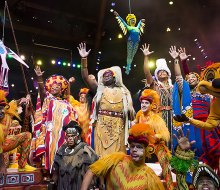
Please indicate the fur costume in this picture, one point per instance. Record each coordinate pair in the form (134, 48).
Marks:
(120, 170)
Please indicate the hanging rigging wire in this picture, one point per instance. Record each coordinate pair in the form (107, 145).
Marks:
(129, 2)
(3, 30)
(17, 49)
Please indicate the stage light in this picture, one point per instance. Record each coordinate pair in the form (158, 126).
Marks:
(53, 62)
(32, 78)
(39, 62)
(168, 29)
(100, 52)
(194, 58)
(22, 57)
(12, 85)
(111, 10)
(58, 62)
(195, 40)
(171, 2)
(97, 63)
(9, 56)
(64, 63)
(68, 64)
(74, 65)
(151, 64)
(120, 36)
(78, 66)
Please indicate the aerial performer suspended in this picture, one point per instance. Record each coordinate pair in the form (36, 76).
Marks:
(134, 33)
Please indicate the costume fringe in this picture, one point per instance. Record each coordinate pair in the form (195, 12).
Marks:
(153, 181)
(102, 166)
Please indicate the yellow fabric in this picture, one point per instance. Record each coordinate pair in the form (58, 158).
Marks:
(122, 174)
(156, 122)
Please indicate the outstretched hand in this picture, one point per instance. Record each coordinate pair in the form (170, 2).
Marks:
(82, 50)
(182, 54)
(38, 71)
(181, 118)
(72, 79)
(173, 52)
(145, 49)
(183, 141)
(115, 13)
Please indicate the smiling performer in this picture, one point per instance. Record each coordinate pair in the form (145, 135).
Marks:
(149, 102)
(56, 112)
(161, 82)
(112, 107)
(127, 171)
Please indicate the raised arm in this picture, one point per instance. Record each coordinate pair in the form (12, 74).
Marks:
(174, 54)
(147, 52)
(91, 83)
(40, 82)
(183, 58)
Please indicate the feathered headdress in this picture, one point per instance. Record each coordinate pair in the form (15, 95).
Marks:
(141, 133)
(83, 91)
(150, 95)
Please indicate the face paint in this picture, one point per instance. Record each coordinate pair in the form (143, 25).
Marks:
(137, 152)
(72, 137)
(145, 105)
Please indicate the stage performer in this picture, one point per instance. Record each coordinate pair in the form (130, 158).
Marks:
(150, 100)
(83, 111)
(56, 112)
(113, 107)
(161, 82)
(134, 33)
(72, 160)
(207, 141)
(8, 143)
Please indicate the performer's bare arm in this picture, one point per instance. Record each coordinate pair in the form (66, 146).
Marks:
(147, 52)
(40, 82)
(87, 180)
(90, 81)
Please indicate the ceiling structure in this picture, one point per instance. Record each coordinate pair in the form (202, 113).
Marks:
(47, 30)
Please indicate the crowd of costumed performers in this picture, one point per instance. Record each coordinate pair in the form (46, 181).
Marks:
(100, 142)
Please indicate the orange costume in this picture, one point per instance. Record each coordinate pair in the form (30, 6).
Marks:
(162, 134)
(122, 172)
(83, 113)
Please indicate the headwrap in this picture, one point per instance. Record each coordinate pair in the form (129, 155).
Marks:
(161, 64)
(206, 171)
(56, 79)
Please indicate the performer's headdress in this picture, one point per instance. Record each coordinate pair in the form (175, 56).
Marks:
(129, 17)
(150, 95)
(141, 133)
(72, 127)
(194, 73)
(56, 79)
(161, 64)
(206, 171)
(83, 91)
